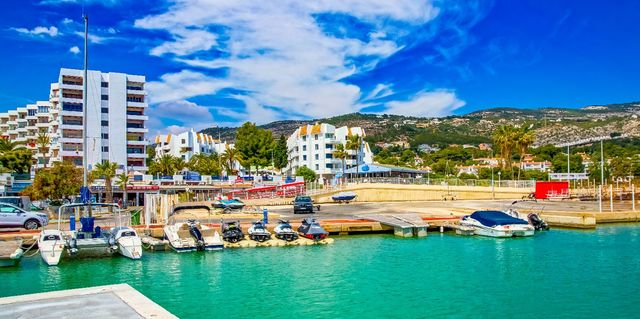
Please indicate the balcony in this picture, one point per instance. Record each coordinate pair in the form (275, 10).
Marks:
(138, 168)
(134, 142)
(135, 90)
(71, 153)
(137, 117)
(42, 124)
(71, 85)
(71, 100)
(137, 130)
(71, 140)
(137, 104)
(136, 155)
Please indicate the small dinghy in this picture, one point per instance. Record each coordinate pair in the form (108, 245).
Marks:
(52, 245)
(344, 197)
(128, 242)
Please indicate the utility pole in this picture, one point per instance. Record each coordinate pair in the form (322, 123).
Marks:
(601, 174)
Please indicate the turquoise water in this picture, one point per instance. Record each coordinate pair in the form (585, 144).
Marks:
(562, 273)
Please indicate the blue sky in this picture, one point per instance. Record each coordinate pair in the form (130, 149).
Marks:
(222, 62)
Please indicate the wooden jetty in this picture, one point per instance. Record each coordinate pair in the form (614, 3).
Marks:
(405, 225)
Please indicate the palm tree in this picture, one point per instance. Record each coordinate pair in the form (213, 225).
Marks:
(123, 181)
(341, 154)
(229, 158)
(165, 164)
(42, 142)
(504, 137)
(8, 145)
(106, 170)
(524, 140)
(354, 143)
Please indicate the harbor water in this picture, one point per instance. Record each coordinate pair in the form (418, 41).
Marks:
(557, 274)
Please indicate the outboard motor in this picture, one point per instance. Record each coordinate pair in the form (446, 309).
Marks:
(196, 233)
(537, 222)
(73, 246)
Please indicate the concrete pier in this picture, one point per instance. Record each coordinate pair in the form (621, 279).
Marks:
(112, 301)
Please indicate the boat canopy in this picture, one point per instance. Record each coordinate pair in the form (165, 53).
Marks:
(492, 218)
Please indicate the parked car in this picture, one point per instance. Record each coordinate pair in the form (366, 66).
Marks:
(303, 204)
(12, 216)
(19, 201)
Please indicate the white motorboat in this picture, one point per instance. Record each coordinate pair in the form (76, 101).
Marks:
(497, 224)
(52, 245)
(258, 232)
(284, 231)
(128, 242)
(192, 236)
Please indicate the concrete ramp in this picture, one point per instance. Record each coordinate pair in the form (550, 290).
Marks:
(404, 225)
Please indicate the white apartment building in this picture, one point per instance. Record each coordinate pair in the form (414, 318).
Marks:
(187, 144)
(116, 107)
(313, 146)
(26, 123)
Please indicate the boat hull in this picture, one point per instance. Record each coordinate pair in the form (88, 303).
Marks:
(130, 247)
(51, 245)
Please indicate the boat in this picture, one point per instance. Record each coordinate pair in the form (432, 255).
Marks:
(192, 236)
(284, 231)
(312, 230)
(493, 223)
(533, 219)
(128, 242)
(344, 197)
(232, 231)
(259, 232)
(229, 204)
(51, 244)
(88, 241)
(11, 252)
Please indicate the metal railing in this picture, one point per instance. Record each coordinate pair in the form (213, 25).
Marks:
(444, 182)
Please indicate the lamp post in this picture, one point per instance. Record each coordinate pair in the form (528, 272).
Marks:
(499, 179)
(601, 175)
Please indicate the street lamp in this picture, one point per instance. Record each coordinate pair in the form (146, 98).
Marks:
(499, 174)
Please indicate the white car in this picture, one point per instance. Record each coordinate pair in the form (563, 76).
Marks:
(12, 216)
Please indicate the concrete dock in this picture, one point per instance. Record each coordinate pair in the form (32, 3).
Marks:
(112, 301)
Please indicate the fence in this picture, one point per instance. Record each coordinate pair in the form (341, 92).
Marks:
(445, 182)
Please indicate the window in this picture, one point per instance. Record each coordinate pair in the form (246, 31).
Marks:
(6, 209)
(105, 135)
(304, 157)
(105, 123)
(105, 97)
(317, 167)
(317, 147)
(328, 135)
(329, 165)
(304, 148)
(304, 138)
(329, 156)
(329, 146)
(105, 148)
(315, 137)
(317, 157)
(184, 141)
(105, 110)
(104, 84)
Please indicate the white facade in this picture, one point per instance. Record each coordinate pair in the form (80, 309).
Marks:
(187, 144)
(313, 146)
(116, 120)
(26, 123)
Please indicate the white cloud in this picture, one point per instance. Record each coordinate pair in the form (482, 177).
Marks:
(106, 3)
(427, 104)
(279, 53)
(66, 21)
(93, 38)
(39, 30)
(74, 50)
(381, 90)
(182, 85)
(188, 114)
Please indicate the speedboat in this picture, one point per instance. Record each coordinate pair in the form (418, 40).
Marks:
(344, 197)
(232, 231)
(128, 242)
(284, 231)
(259, 232)
(51, 244)
(312, 230)
(12, 254)
(192, 236)
(494, 223)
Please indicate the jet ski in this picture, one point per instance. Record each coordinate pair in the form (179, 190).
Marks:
(284, 231)
(312, 230)
(259, 232)
(232, 231)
